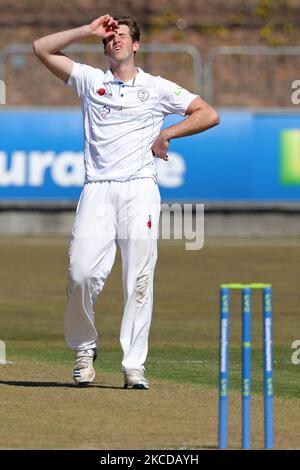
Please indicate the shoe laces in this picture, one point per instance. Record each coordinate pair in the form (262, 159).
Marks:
(84, 358)
(135, 373)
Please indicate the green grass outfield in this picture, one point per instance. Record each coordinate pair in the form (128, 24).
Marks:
(183, 353)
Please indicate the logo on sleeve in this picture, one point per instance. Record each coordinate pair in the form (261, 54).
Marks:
(143, 95)
(178, 90)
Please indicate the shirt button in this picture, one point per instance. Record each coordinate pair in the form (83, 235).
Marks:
(122, 96)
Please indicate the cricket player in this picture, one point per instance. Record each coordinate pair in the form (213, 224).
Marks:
(123, 111)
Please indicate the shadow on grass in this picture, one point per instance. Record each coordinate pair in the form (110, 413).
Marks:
(18, 383)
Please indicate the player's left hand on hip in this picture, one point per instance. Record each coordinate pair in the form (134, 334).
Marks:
(160, 147)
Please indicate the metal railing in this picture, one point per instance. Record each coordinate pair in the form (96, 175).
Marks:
(29, 83)
(251, 75)
(246, 76)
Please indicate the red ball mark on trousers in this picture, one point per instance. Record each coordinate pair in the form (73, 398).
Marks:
(101, 91)
(149, 223)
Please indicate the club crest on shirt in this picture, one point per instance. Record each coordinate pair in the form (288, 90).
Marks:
(143, 95)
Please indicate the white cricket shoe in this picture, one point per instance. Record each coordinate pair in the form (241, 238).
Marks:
(84, 372)
(134, 378)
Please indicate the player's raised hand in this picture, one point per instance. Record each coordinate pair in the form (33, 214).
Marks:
(160, 146)
(104, 26)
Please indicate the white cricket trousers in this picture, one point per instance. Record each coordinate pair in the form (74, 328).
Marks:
(112, 213)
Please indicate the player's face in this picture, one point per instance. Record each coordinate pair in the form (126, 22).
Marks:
(120, 46)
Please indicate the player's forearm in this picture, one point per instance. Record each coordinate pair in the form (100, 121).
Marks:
(197, 122)
(54, 43)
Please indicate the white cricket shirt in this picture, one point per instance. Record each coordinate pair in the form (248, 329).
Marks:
(122, 120)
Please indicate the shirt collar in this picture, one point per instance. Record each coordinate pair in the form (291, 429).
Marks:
(139, 78)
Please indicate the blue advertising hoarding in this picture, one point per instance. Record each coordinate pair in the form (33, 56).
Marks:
(249, 157)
